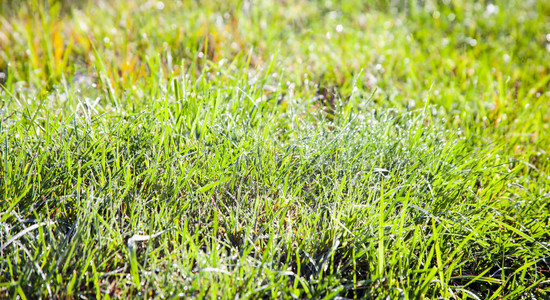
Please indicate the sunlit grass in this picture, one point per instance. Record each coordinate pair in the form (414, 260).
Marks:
(275, 150)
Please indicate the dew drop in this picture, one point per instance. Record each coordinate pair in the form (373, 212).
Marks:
(491, 9)
(451, 17)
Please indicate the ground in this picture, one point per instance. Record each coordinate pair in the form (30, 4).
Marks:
(275, 149)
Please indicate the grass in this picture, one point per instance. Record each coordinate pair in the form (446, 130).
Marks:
(294, 149)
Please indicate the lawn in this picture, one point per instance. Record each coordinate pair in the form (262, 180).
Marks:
(275, 149)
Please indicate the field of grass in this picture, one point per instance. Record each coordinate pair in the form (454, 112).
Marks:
(275, 149)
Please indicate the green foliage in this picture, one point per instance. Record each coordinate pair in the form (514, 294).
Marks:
(294, 149)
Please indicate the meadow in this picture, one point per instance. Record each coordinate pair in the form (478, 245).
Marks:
(275, 149)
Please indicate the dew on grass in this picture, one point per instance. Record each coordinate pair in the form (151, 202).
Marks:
(83, 25)
(219, 21)
(491, 9)
(411, 104)
(333, 14)
(371, 80)
(451, 17)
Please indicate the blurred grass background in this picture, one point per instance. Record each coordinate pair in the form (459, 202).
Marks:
(482, 61)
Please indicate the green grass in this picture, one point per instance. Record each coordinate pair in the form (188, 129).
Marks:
(293, 149)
